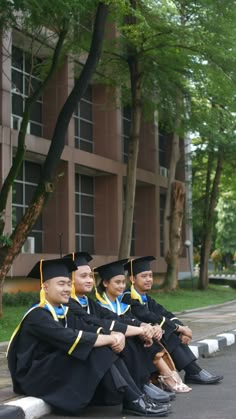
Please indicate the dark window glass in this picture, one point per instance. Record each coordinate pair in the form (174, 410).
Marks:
(35, 129)
(86, 110)
(86, 130)
(29, 193)
(17, 104)
(32, 172)
(17, 193)
(77, 224)
(17, 80)
(86, 146)
(86, 225)
(87, 184)
(87, 204)
(18, 214)
(36, 112)
(17, 58)
(77, 203)
(87, 243)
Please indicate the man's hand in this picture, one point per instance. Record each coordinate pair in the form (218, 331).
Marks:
(118, 342)
(186, 334)
(147, 331)
(158, 332)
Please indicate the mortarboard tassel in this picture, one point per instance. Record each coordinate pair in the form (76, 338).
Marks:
(73, 293)
(42, 297)
(134, 294)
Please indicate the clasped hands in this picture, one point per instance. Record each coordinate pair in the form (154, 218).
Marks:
(150, 333)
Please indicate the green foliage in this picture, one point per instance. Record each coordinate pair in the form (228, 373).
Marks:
(226, 224)
(20, 299)
(5, 240)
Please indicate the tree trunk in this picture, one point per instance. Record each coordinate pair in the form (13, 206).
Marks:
(126, 232)
(171, 240)
(208, 220)
(176, 221)
(46, 184)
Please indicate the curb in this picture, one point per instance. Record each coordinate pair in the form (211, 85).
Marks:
(33, 407)
(24, 408)
(209, 346)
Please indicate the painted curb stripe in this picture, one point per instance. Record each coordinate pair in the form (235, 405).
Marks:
(230, 338)
(213, 344)
(33, 407)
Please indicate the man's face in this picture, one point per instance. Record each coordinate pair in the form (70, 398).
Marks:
(143, 281)
(115, 286)
(83, 280)
(57, 290)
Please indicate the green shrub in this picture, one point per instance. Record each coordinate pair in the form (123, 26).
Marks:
(20, 298)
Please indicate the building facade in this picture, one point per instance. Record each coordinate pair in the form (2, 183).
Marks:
(85, 211)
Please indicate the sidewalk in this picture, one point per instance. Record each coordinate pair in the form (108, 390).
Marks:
(213, 327)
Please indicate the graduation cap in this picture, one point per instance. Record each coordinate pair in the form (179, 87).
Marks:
(106, 272)
(47, 269)
(135, 266)
(80, 258)
(112, 269)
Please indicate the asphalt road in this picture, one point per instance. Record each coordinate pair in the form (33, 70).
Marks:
(203, 402)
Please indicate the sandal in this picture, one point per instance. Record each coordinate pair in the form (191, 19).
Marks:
(177, 387)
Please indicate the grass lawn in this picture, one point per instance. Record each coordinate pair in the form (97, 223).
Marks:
(12, 315)
(183, 299)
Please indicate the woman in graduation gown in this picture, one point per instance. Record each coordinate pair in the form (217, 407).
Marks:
(48, 358)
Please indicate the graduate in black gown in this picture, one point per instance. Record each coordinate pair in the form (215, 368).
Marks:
(177, 336)
(59, 358)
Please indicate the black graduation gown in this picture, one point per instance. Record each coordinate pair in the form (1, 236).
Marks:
(50, 361)
(155, 313)
(139, 360)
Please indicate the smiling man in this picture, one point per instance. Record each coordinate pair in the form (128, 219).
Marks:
(176, 336)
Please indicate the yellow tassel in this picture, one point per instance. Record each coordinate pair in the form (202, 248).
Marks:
(73, 293)
(99, 297)
(42, 297)
(135, 295)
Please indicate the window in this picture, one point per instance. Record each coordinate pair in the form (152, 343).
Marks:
(83, 118)
(162, 209)
(24, 83)
(22, 192)
(126, 124)
(84, 213)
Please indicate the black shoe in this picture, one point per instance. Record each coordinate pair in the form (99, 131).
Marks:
(139, 407)
(156, 393)
(150, 402)
(202, 377)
